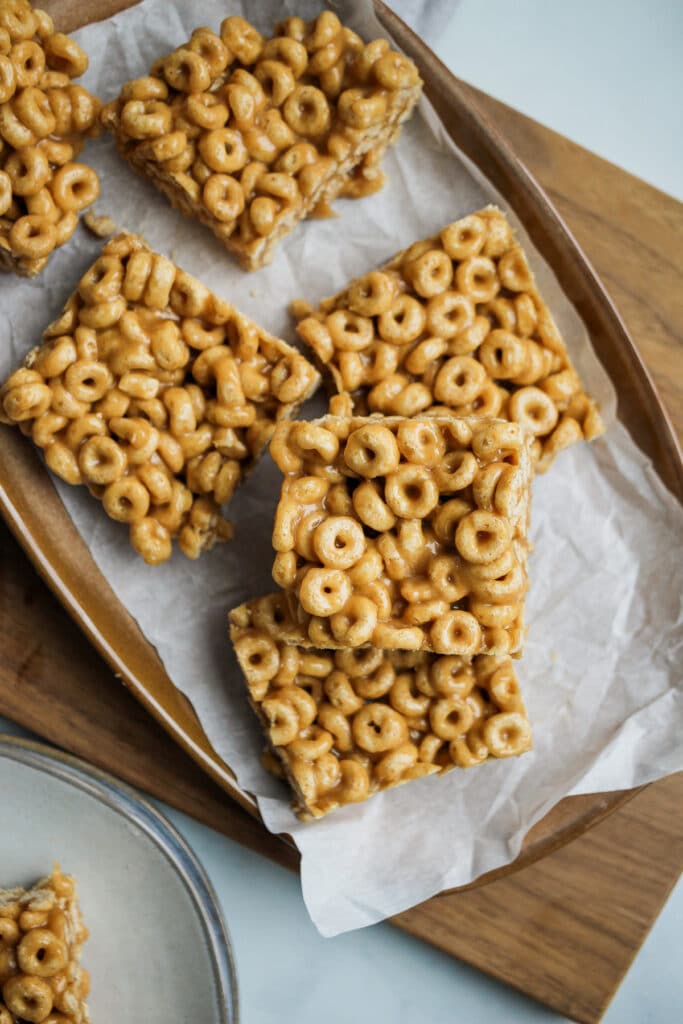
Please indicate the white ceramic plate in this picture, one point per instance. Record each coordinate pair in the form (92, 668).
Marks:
(158, 950)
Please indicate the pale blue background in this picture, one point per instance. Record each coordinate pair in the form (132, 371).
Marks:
(610, 76)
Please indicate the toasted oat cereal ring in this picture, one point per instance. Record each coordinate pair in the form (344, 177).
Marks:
(224, 197)
(88, 380)
(445, 572)
(65, 55)
(151, 540)
(126, 500)
(372, 294)
(17, 19)
(361, 109)
(449, 313)
(28, 170)
(411, 492)
(74, 187)
(456, 632)
(450, 717)
(395, 71)
(507, 734)
(534, 409)
(431, 273)
(371, 509)
(211, 49)
(324, 592)
(339, 542)
(503, 355)
(356, 624)
(482, 536)
(32, 236)
(241, 39)
(465, 238)
(102, 460)
(403, 322)
(307, 111)
(5, 192)
(349, 331)
(41, 953)
(26, 400)
(28, 59)
(477, 278)
(223, 150)
(377, 728)
(186, 71)
(514, 272)
(459, 381)
(27, 997)
(371, 451)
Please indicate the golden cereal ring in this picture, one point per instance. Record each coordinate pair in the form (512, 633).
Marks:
(29, 998)
(276, 80)
(288, 51)
(421, 442)
(431, 273)
(395, 71)
(74, 187)
(186, 71)
(126, 500)
(445, 573)
(223, 150)
(477, 278)
(41, 953)
(372, 294)
(361, 663)
(28, 59)
(32, 236)
(465, 238)
(503, 355)
(28, 170)
(64, 55)
(307, 111)
(17, 19)
(8, 79)
(482, 536)
(349, 331)
(378, 728)
(456, 632)
(361, 109)
(459, 381)
(224, 197)
(450, 717)
(146, 119)
(403, 322)
(323, 592)
(355, 625)
(514, 272)
(354, 784)
(371, 509)
(241, 39)
(456, 471)
(102, 460)
(5, 192)
(25, 399)
(211, 49)
(411, 492)
(534, 409)
(507, 734)
(449, 313)
(151, 540)
(339, 542)
(88, 380)
(372, 451)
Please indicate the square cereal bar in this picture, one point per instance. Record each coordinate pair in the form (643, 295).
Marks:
(155, 394)
(41, 937)
(44, 118)
(405, 534)
(347, 724)
(454, 322)
(250, 135)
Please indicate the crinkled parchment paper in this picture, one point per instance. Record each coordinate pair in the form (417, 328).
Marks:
(602, 671)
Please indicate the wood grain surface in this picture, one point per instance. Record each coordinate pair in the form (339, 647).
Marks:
(565, 929)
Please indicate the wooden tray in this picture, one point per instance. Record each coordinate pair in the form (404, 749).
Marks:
(39, 521)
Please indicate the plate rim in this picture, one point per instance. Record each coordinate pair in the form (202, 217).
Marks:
(127, 803)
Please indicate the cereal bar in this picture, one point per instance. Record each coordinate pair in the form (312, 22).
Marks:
(41, 936)
(44, 118)
(250, 135)
(404, 534)
(454, 322)
(155, 394)
(346, 724)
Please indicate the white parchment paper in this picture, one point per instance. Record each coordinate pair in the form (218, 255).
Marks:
(602, 670)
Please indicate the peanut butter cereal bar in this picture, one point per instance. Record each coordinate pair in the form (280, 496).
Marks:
(347, 724)
(155, 394)
(404, 534)
(44, 118)
(41, 937)
(454, 322)
(250, 135)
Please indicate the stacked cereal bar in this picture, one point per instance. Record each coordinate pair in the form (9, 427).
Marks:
(404, 534)
(155, 394)
(41, 937)
(454, 323)
(347, 724)
(250, 135)
(44, 118)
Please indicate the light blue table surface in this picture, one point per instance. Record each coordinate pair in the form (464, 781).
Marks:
(610, 76)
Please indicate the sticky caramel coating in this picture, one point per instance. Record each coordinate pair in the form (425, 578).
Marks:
(347, 724)
(41, 937)
(250, 135)
(405, 534)
(155, 394)
(454, 322)
(44, 119)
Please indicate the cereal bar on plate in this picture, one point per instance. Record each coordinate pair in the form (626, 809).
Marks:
(455, 322)
(156, 395)
(250, 135)
(404, 534)
(347, 724)
(44, 118)
(41, 937)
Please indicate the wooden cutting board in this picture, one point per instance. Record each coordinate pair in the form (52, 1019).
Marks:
(564, 929)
